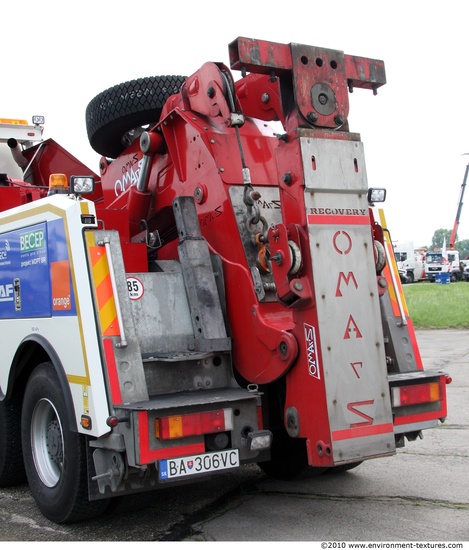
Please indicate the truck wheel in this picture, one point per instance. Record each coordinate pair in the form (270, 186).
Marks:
(117, 110)
(288, 458)
(54, 456)
(11, 451)
(343, 468)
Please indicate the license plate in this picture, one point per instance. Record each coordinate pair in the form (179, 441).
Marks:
(198, 464)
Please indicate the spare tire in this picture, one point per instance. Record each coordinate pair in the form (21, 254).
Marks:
(117, 110)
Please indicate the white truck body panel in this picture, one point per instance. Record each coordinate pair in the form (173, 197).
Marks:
(80, 355)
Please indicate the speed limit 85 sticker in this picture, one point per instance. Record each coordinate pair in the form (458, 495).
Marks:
(135, 288)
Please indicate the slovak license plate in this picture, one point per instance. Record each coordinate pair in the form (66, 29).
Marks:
(198, 464)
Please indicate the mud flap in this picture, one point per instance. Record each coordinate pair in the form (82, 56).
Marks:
(350, 335)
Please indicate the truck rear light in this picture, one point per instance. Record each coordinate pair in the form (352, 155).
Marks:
(184, 425)
(403, 396)
(259, 440)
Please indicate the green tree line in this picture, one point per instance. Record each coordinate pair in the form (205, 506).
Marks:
(441, 234)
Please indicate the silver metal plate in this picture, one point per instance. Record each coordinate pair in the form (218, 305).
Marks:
(346, 294)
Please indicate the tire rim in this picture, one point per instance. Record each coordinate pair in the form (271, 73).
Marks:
(47, 442)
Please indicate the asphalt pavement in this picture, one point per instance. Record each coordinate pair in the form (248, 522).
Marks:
(421, 494)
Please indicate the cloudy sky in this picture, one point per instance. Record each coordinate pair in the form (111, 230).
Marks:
(56, 56)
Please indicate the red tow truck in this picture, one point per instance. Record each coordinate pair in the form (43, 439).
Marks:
(221, 293)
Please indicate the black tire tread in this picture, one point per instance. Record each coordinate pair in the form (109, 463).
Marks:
(68, 502)
(125, 106)
(343, 468)
(12, 470)
(288, 457)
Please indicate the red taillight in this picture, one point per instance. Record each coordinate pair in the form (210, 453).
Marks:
(403, 396)
(184, 425)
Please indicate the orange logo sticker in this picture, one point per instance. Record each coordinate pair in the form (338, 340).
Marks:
(60, 277)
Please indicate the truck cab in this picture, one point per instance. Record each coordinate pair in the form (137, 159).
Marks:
(410, 262)
(439, 264)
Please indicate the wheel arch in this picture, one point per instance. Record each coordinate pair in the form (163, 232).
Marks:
(34, 350)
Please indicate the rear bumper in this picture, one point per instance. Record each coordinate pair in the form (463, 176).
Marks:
(144, 445)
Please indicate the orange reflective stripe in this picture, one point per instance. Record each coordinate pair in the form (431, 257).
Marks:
(104, 295)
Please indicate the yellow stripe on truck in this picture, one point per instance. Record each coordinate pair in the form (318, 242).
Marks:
(391, 265)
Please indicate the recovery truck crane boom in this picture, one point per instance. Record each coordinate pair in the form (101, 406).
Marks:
(224, 294)
(454, 233)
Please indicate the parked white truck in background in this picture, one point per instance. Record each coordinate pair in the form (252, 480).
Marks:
(410, 261)
(438, 263)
